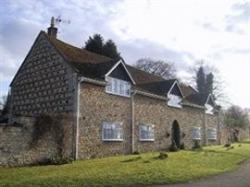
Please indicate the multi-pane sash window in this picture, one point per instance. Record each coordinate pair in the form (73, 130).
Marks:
(146, 132)
(212, 134)
(118, 87)
(112, 131)
(174, 101)
(196, 133)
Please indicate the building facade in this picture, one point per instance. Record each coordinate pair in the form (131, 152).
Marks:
(117, 108)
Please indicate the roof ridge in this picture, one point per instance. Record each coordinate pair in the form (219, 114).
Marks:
(145, 71)
(75, 47)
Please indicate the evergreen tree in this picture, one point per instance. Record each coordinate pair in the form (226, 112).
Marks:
(95, 44)
(110, 50)
(209, 83)
(201, 80)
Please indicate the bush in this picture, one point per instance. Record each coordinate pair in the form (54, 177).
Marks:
(173, 147)
(136, 153)
(54, 161)
(182, 146)
(197, 145)
(227, 145)
(162, 156)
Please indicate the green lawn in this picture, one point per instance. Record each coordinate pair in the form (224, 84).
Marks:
(132, 170)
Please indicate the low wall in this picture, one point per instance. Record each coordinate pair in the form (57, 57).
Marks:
(16, 144)
(226, 134)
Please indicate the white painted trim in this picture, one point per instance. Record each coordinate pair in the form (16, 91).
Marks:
(78, 90)
(115, 139)
(175, 82)
(112, 140)
(193, 105)
(112, 93)
(89, 80)
(208, 97)
(112, 69)
(146, 140)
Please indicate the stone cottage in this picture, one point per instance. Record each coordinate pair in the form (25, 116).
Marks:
(117, 108)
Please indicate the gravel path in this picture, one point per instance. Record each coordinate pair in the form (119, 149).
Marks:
(237, 178)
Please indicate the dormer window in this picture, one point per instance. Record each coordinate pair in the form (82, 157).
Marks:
(209, 109)
(118, 87)
(174, 101)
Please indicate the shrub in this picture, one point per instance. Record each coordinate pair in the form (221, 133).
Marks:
(132, 159)
(227, 145)
(136, 153)
(182, 146)
(162, 156)
(173, 147)
(197, 145)
(55, 161)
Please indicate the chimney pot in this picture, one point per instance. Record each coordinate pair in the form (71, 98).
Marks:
(52, 30)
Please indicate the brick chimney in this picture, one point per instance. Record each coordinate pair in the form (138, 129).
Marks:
(52, 30)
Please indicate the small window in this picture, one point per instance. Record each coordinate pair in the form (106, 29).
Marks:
(196, 133)
(209, 109)
(118, 87)
(112, 131)
(146, 132)
(212, 134)
(174, 101)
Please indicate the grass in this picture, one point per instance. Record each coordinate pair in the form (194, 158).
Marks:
(131, 170)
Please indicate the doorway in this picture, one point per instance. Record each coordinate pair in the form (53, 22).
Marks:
(176, 134)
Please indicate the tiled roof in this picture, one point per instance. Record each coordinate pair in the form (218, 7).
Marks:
(142, 77)
(198, 99)
(76, 54)
(187, 89)
(158, 87)
(95, 66)
(87, 63)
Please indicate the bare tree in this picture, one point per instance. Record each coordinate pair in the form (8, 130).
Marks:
(161, 68)
(3, 101)
(236, 117)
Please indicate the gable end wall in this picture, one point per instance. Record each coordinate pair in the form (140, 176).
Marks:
(45, 83)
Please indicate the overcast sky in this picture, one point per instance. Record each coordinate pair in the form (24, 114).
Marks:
(181, 31)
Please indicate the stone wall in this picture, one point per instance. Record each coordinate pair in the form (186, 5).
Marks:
(156, 112)
(44, 83)
(226, 133)
(96, 106)
(16, 148)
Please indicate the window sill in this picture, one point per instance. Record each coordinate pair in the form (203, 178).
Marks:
(147, 140)
(211, 114)
(196, 139)
(112, 140)
(128, 96)
(212, 139)
(175, 106)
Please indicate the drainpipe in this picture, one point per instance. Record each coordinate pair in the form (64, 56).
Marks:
(132, 122)
(79, 80)
(205, 128)
(78, 101)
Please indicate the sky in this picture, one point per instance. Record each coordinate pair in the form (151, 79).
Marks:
(182, 32)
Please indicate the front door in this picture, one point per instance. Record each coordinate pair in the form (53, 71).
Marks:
(176, 134)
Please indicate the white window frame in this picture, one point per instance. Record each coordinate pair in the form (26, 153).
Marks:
(209, 109)
(171, 97)
(118, 87)
(194, 131)
(140, 132)
(214, 134)
(112, 123)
